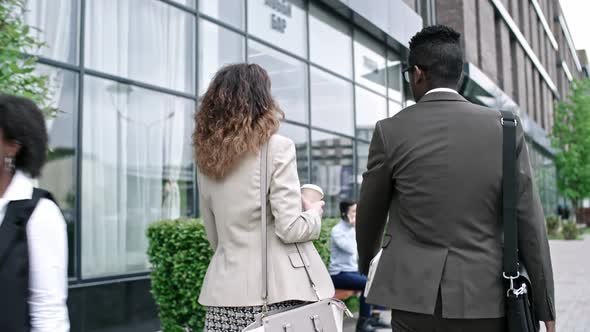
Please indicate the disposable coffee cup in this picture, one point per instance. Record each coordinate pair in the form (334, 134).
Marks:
(312, 193)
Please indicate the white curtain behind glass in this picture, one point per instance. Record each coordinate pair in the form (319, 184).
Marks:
(51, 23)
(133, 138)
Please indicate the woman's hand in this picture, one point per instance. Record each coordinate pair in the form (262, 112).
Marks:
(316, 206)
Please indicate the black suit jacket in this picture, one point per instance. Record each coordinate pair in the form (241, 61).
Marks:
(435, 169)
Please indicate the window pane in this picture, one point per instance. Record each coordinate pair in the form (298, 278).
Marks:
(57, 21)
(144, 40)
(282, 23)
(299, 136)
(394, 77)
(362, 150)
(288, 76)
(218, 47)
(369, 62)
(330, 42)
(137, 168)
(228, 11)
(331, 102)
(370, 108)
(394, 108)
(332, 169)
(59, 173)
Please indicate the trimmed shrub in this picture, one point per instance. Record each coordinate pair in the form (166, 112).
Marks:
(323, 243)
(179, 253)
(553, 224)
(570, 231)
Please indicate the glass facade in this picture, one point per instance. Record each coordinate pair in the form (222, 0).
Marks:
(126, 76)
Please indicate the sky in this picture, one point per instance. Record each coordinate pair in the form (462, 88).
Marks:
(576, 15)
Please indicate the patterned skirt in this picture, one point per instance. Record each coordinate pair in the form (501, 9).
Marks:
(235, 319)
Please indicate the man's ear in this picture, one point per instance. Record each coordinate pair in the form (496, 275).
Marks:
(419, 75)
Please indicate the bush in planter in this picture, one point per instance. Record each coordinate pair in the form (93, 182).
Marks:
(570, 231)
(179, 253)
(553, 224)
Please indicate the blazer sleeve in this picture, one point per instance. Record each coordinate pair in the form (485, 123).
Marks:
(208, 219)
(374, 201)
(292, 225)
(532, 238)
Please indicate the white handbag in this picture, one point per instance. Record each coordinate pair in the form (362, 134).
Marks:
(325, 315)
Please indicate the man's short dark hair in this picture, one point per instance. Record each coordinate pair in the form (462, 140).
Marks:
(22, 121)
(437, 51)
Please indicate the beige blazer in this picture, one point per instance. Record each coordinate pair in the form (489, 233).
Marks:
(232, 214)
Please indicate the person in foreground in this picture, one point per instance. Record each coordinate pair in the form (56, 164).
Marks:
(436, 168)
(344, 265)
(238, 116)
(33, 236)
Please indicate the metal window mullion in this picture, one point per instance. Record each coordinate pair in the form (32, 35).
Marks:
(308, 68)
(147, 86)
(196, 211)
(79, 137)
(355, 188)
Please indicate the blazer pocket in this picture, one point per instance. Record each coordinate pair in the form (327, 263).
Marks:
(296, 260)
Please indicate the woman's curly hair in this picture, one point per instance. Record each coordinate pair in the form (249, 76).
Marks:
(22, 121)
(237, 115)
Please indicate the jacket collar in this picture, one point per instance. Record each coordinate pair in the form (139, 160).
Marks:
(20, 188)
(442, 96)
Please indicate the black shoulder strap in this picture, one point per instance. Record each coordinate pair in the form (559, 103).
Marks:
(15, 220)
(509, 194)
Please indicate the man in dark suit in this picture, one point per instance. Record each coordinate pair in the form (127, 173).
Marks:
(435, 169)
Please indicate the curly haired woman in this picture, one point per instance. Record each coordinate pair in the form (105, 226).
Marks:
(238, 120)
(33, 237)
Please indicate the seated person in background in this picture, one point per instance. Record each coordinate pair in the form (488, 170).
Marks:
(344, 265)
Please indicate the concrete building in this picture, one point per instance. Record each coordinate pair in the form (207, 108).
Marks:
(519, 55)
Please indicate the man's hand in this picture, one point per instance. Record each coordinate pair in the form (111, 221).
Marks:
(550, 326)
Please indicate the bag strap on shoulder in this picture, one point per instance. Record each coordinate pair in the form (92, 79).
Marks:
(509, 194)
(264, 189)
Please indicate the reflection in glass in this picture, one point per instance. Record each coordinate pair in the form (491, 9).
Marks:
(218, 47)
(331, 102)
(136, 169)
(370, 108)
(299, 136)
(282, 23)
(147, 41)
(332, 169)
(227, 11)
(57, 25)
(330, 43)
(288, 78)
(394, 77)
(59, 173)
(369, 62)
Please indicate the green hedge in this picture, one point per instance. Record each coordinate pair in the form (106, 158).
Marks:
(179, 253)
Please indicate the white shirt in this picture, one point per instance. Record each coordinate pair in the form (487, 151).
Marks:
(48, 258)
(442, 90)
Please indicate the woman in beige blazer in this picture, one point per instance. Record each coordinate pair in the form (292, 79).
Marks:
(237, 117)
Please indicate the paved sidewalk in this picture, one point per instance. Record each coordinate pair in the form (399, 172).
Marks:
(571, 268)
